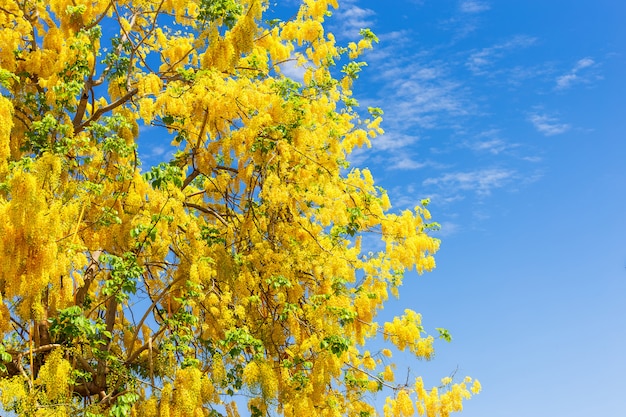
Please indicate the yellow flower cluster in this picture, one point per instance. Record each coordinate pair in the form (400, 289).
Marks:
(54, 376)
(6, 116)
(406, 331)
(399, 406)
(436, 404)
(239, 267)
(33, 225)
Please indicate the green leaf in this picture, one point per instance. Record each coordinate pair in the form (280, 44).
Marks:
(336, 344)
(368, 34)
(375, 111)
(444, 334)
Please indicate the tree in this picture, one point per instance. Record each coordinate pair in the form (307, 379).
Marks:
(235, 274)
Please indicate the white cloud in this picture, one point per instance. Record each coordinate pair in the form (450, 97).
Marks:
(404, 197)
(447, 229)
(350, 19)
(533, 159)
(405, 163)
(492, 146)
(481, 182)
(445, 200)
(565, 81)
(518, 75)
(480, 60)
(473, 6)
(153, 154)
(396, 37)
(466, 19)
(548, 125)
(423, 101)
(417, 90)
(489, 141)
(428, 103)
(393, 141)
(422, 96)
(573, 77)
(584, 63)
(291, 69)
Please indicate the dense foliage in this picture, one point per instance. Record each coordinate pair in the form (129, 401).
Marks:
(232, 275)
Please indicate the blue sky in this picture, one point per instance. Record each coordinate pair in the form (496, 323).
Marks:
(511, 117)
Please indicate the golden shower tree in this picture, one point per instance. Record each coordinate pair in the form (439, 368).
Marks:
(232, 275)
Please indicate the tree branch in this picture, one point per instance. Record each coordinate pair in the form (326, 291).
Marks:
(105, 109)
(190, 178)
(207, 210)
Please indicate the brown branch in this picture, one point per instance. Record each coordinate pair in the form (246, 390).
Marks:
(22, 372)
(374, 377)
(202, 128)
(84, 98)
(225, 168)
(2, 9)
(84, 364)
(190, 178)
(109, 320)
(82, 104)
(43, 348)
(207, 210)
(88, 389)
(99, 19)
(193, 195)
(139, 325)
(106, 109)
(90, 274)
(147, 345)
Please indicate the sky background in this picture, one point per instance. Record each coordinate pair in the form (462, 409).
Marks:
(510, 116)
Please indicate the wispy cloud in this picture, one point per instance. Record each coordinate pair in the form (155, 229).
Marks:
(440, 139)
(291, 69)
(492, 146)
(152, 154)
(465, 19)
(405, 162)
(480, 61)
(396, 37)
(548, 125)
(532, 159)
(518, 75)
(482, 182)
(573, 76)
(473, 6)
(394, 140)
(447, 229)
(351, 19)
(405, 196)
(488, 141)
(420, 95)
